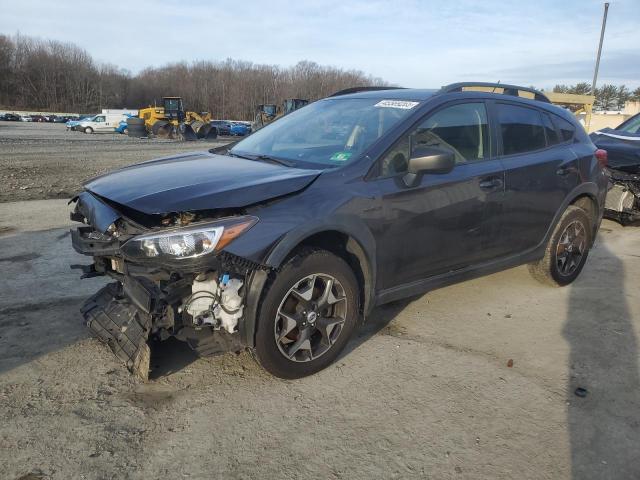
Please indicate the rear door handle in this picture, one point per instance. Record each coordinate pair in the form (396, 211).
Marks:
(490, 183)
(562, 171)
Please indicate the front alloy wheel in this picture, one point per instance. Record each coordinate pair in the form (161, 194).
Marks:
(307, 315)
(310, 317)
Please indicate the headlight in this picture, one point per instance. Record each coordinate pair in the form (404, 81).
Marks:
(188, 242)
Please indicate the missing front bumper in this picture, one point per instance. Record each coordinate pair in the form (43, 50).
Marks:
(122, 326)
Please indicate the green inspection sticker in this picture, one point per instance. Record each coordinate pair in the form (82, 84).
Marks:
(341, 156)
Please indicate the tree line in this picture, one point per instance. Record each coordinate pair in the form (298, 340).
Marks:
(49, 75)
(608, 96)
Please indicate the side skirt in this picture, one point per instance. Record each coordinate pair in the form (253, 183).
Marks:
(443, 280)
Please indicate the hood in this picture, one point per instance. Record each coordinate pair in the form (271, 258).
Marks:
(623, 148)
(198, 181)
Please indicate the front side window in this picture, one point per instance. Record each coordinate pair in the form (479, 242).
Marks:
(327, 133)
(522, 129)
(99, 119)
(461, 129)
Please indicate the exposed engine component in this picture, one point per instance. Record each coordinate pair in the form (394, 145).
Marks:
(623, 197)
(619, 198)
(229, 310)
(215, 302)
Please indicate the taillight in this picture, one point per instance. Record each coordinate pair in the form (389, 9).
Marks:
(602, 157)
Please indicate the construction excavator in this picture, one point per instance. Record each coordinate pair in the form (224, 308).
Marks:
(267, 113)
(171, 121)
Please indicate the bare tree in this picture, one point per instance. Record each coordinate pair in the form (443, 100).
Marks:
(50, 75)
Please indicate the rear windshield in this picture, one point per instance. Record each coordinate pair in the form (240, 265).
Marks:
(327, 133)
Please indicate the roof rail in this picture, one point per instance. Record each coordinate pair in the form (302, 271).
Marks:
(347, 91)
(507, 89)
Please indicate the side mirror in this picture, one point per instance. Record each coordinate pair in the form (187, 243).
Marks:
(428, 160)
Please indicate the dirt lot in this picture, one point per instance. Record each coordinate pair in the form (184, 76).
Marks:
(44, 160)
(424, 391)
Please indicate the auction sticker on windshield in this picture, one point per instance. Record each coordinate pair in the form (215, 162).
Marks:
(404, 104)
(341, 156)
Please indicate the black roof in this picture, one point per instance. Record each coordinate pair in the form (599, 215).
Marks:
(415, 94)
(395, 93)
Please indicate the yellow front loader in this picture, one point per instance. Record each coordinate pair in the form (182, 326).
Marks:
(171, 121)
(265, 114)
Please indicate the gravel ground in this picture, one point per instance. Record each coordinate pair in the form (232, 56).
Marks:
(473, 381)
(44, 160)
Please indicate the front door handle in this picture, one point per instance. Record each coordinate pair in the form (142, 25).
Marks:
(490, 184)
(562, 171)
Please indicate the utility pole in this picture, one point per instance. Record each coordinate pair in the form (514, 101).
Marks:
(604, 24)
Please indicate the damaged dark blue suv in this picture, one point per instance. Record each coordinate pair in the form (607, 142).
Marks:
(282, 242)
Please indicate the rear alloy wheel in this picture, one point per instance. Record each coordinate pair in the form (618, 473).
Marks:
(567, 250)
(307, 315)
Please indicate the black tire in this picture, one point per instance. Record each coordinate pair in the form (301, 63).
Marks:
(135, 121)
(306, 263)
(548, 270)
(88, 130)
(137, 131)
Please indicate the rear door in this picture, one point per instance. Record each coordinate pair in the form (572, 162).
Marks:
(540, 170)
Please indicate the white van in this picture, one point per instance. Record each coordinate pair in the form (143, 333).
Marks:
(104, 122)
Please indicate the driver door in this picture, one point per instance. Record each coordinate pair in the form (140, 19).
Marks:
(443, 222)
(100, 123)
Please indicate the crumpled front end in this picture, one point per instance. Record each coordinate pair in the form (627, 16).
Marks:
(623, 197)
(171, 278)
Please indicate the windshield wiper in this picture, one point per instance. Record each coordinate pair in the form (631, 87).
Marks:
(263, 158)
(232, 154)
(267, 158)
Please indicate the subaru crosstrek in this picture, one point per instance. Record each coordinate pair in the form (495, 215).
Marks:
(284, 241)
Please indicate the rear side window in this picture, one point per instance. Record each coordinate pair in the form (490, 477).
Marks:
(567, 130)
(522, 129)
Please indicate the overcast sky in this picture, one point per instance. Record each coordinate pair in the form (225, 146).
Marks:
(407, 42)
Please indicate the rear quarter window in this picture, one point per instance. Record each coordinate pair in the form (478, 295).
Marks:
(566, 129)
(522, 129)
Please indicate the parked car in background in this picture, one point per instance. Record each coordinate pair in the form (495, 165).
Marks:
(224, 127)
(38, 118)
(239, 129)
(73, 124)
(11, 117)
(26, 118)
(285, 240)
(59, 119)
(623, 147)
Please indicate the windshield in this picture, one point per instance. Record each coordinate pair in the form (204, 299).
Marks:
(171, 104)
(328, 133)
(632, 125)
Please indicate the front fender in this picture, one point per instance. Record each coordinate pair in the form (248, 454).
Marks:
(361, 244)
